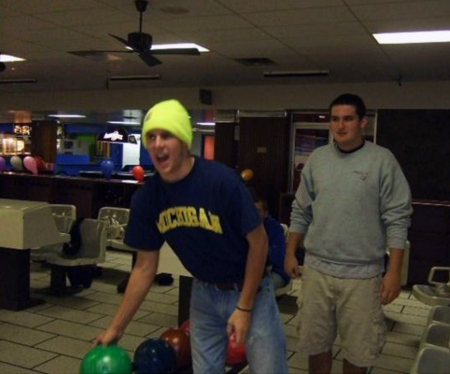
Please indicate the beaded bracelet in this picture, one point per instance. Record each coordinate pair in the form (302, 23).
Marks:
(243, 310)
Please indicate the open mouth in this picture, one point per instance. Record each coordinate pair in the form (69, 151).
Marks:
(162, 158)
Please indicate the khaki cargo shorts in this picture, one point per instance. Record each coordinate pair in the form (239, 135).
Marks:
(349, 307)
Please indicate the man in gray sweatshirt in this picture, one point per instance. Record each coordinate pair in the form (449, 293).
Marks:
(352, 204)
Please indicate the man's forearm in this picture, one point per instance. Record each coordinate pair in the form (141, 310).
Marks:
(395, 260)
(254, 268)
(294, 241)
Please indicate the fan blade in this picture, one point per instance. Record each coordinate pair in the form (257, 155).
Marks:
(149, 59)
(101, 56)
(122, 40)
(176, 51)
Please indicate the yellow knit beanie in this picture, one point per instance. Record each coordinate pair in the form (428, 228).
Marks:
(171, 116)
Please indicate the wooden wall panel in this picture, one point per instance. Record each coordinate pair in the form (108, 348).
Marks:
(264, 148)
(225, 146)
(420, 140)
(43, 140)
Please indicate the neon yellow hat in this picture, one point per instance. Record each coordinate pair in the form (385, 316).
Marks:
(171, 116)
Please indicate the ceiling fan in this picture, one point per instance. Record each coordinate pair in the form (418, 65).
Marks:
(141, 43)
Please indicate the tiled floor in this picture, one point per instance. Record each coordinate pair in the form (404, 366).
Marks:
(53, 337)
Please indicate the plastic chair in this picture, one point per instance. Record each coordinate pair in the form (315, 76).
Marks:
(436, 334)
(439, 313)
(64, 216)
(432, 360)
(116, 220)
(91, 252)
(437, 293)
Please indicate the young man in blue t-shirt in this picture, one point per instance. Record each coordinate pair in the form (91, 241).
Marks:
(205, 213)
(277, 245)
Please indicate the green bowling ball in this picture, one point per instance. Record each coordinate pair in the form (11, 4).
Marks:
(106, 360)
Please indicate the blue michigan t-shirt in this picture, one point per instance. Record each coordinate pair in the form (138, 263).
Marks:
(204, 218)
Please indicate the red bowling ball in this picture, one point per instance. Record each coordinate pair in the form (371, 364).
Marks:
(180, 341)
(186, 325)
(236, 352)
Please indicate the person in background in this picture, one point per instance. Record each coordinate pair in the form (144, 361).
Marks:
(353, 202)
(277, 244)
(205, 213)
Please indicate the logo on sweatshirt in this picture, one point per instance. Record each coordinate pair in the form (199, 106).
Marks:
(188, 216)
(362, 174)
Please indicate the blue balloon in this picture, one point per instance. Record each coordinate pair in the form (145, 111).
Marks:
(154, 356)
(107, 167)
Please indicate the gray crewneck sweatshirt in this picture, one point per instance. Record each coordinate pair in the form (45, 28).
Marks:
(352, 207)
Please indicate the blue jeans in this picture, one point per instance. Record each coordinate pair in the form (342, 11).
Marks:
(209, 312)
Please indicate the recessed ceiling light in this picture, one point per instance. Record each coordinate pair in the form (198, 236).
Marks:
(124, 122)
(442, 36)
(9, 58)
(67, 115)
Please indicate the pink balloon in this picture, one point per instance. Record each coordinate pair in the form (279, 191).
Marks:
(30, 164)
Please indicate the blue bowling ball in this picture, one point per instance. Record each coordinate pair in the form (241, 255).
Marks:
(154, 356)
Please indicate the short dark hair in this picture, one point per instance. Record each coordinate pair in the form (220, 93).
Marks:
(350, 99)
(263, 202)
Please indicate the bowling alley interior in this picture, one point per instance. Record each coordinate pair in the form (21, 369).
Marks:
(257, 77)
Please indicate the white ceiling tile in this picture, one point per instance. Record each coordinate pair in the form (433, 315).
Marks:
(204, 24)
(377, 2)
(16, 26)
(155, 8)
(253, 6)
(7, 12)
(246, 49)
(196, 8)
(121, 29)
(45, 35)
(227, 35)
(421, 60)
(21, 49)
(86, 17)
(301, 17)
(47, 6)
(334, 42)
(415, 24)
(76, 44)
(315, 30)
(404, 10)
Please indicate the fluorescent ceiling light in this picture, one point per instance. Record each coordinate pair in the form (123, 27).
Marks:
(180, 45)
(413, 37)
(206, 123)
(9, 58)
(175, 46)
(124, 122)
(67, 115)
